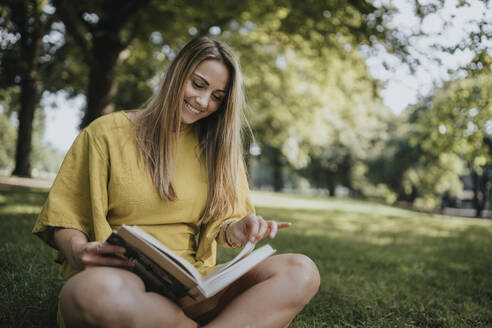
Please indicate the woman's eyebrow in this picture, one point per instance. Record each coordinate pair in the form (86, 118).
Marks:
(205, 81)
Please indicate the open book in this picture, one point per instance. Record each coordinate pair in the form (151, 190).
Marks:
(167, 273)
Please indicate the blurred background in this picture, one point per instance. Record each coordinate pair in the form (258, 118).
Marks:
(383, 100)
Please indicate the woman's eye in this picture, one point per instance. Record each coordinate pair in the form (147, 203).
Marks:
(217, 98)
(196, 85)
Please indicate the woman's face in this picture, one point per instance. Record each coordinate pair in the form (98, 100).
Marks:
(204, 91)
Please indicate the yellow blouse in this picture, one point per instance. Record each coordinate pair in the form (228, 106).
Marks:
(102, 185)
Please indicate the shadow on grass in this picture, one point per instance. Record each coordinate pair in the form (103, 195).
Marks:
(377, 270)
(29, 277)
(395, 276)
(27, 200)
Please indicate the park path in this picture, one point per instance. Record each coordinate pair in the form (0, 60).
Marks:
(25, 182)
(7, 182)
(258, 199)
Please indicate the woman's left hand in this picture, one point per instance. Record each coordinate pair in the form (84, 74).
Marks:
(253, 228)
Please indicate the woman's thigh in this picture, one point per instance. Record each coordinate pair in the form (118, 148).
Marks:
(295, 272)
(107, 296)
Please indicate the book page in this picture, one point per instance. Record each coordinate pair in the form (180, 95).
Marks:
(187, 266)
(248, 248)
(212, 284)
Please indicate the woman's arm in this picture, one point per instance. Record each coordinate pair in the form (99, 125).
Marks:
(80, 253)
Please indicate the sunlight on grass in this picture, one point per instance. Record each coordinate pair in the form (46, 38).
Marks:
(380, 266)
(387, 267)
(20, 209)
(293, 200)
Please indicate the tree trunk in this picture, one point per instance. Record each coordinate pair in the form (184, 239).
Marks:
(331, 182)
(31, 42)
(278, 181)
(482, 187)
(488, 189)
(28, 101)
(478, 194)
(102, 78)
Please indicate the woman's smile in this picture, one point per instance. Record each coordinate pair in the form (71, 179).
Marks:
(192, 109)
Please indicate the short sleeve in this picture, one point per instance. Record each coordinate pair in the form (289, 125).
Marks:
(207, 245)
(78, 198)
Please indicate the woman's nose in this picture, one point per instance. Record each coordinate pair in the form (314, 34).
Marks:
(203, 100)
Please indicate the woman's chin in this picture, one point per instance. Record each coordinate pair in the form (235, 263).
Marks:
(187, 118)
(186, 121)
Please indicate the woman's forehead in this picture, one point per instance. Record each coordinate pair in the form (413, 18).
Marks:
(214, 73)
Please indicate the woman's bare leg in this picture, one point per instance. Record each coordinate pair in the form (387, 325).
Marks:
(112, 297)
(270, 295)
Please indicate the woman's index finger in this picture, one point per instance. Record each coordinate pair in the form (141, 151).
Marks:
(282, 225)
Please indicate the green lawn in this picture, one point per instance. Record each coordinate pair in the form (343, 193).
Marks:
(380, 266)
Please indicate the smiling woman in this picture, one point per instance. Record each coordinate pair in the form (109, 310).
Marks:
(201, 97)
(176, 170)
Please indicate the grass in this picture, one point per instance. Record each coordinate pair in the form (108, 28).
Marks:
(380, 266)
(28, 276)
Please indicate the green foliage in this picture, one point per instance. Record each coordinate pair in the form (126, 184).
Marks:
(319, 107)
(413, 174)
(458, 119)
(311, 98)
(454, 130)
(302, 35)
(45, 158)
(137, 75)
(7, 140)
(31, 59)
(447, 135)
(23, 24)
(8, 132)
(388, 166)
(432, 178)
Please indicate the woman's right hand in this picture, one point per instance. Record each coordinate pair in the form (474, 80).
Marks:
(82, 254)
(96, 254)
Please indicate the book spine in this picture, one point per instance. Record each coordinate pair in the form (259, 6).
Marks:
(154, 277)
(196, 294)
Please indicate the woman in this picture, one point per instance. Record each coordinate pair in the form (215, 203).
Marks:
(175, 169)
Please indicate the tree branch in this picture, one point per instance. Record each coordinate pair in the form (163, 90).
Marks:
(124, 11)
(76, 25)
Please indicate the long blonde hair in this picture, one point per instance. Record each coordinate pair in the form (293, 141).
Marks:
(219, 134)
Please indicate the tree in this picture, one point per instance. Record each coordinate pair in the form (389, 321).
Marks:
(99, 30)
(299, 79)
(24, 56)
(44, 157)
(7, 129)
(458, 120)
(104, 30)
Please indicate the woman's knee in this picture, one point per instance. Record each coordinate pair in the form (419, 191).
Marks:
(100, 297)
(303, 275)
